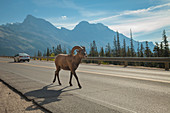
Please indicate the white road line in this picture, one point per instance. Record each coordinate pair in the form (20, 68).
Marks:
(108, 74)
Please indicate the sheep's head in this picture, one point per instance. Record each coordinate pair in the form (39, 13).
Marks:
(81, 51)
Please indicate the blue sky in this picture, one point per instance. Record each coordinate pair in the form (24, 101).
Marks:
(146, 18)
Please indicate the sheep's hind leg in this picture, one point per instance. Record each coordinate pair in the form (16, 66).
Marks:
(57, 74)
(71, 75)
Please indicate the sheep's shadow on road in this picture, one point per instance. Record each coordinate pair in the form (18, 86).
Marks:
(45, 96)
(15, 62)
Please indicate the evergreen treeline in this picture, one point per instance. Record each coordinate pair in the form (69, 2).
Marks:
(53, 51)
(160, 50)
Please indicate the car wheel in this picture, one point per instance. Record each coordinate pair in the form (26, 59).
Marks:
(14, 60)
(28, 60)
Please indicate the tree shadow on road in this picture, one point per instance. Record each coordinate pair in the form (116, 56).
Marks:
(45, 96)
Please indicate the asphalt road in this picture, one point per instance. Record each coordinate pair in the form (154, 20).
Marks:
(105, 89)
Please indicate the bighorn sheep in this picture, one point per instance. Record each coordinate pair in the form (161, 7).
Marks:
(69, 62)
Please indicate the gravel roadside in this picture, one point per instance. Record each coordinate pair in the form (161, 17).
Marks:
(11, 102)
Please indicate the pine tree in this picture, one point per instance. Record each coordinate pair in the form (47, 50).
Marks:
(128, 52)
(131, 41)
(156, 50)
(58, 50)
(115, 47)
(138, 53)
(161, 50)
(124, 48)
(118, 45)
(93, 50)
(53, 49)
(39, 53)
(48, 52)
(166, 47)
(101, 52)
(148, 52)
(108, 50)
(141, 50)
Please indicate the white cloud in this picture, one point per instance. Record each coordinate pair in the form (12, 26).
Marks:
(63, 17)
(139, 11)
(141, 21)
(144, 25)
(65, 25)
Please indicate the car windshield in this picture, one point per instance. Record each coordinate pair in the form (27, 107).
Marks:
(23, 54)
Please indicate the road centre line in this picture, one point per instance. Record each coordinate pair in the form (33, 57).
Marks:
(108, 74)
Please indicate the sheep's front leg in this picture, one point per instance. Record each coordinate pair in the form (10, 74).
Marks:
(71, 75)
(75, 75)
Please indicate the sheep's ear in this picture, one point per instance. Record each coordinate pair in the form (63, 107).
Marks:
(83, 47)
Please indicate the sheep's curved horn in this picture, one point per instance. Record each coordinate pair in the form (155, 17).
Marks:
(74, 48)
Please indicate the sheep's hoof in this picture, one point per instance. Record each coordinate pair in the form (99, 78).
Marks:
(60, 84)
(80, 87)
(71, 85)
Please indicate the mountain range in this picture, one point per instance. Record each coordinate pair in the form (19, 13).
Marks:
(35, 34)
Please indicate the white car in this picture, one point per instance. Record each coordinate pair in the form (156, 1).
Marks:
(21, 57)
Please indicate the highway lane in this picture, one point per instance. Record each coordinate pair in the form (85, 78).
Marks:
(105, 88)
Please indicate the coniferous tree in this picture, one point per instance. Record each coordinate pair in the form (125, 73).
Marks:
(48, 52)
(156, 50)
(138, 51)
(93, 50)
(124, 48)
(39, 53)
(53, 49)
(108, 50)
(131, 41)
(101, 52)
(58, 50)
(148, 52)
(161, 50)
(141, 50)
(115, 47)
(165, 42)
(118, 45)
(128, 52)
